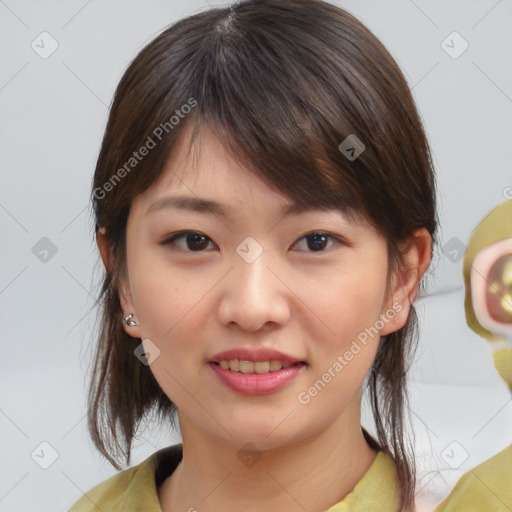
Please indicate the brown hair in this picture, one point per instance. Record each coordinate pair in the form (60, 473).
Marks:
(282, 84)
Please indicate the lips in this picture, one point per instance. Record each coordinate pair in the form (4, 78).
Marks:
(255, 355)
(257, 384)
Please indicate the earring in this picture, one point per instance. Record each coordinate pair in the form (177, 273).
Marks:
(128, 321)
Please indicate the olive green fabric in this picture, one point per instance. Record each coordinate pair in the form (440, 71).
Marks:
(486, 488)
(135, 489)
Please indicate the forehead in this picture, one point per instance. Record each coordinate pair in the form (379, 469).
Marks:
(202, 162)
(202, 176)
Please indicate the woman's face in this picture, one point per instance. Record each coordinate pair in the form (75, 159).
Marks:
(252, 278)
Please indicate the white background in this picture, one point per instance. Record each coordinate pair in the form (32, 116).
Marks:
(53, 114)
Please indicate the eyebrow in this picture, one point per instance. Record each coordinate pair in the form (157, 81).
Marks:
(209, 206)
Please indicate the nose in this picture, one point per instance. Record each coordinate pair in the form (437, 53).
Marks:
(254, 295)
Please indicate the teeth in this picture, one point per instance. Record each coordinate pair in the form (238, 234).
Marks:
(245, 366)
(275, 365)
(242, 366)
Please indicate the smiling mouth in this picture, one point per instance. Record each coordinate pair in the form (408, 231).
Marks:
(257, 367)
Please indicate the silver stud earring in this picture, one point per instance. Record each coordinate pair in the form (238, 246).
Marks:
(128, 321)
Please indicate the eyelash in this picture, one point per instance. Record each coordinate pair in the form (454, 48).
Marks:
(168, 241)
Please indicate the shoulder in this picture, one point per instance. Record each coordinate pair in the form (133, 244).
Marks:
(120, 491)
(488, 486)
(377, 491)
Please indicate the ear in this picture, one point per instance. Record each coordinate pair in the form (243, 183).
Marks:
(125, 295)
(105, 252)
(491, 287)
(404, 281)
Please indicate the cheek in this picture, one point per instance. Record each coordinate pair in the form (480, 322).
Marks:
(347, 340)
(173, 308)
(166, 297)
(350, 300)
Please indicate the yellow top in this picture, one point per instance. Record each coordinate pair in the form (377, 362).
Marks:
(486, 488)
(135, 488)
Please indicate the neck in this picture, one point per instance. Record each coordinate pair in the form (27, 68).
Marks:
(311, 474)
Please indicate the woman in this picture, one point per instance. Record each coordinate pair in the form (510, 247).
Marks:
(264, 204)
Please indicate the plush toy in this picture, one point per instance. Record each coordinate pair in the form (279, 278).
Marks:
(488, 283)
(488, 304)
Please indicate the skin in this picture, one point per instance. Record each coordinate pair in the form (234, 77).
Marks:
(306, 303)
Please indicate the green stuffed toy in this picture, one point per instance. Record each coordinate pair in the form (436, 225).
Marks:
(488, 304)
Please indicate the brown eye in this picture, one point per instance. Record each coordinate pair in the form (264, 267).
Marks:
(194, 241)
(499, 289)
(318, 241)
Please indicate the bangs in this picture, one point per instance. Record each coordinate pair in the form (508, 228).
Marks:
(275, 114)
(281, 92)
(292, 163)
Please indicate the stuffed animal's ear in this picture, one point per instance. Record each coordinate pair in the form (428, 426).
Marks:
(491, 287)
